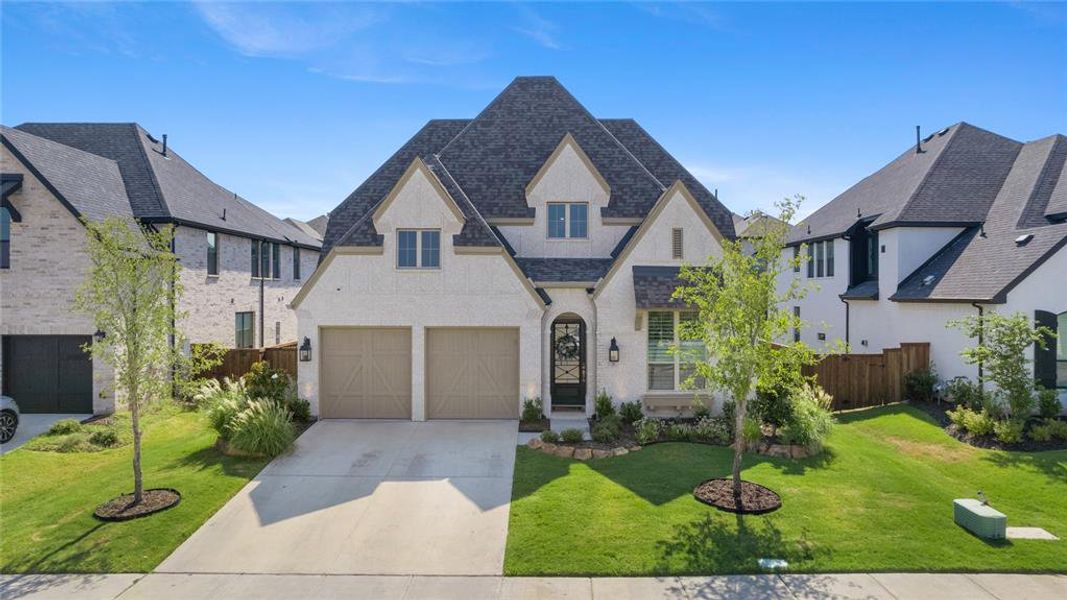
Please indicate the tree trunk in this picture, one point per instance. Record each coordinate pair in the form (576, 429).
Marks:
(135, 420)
(740, 408)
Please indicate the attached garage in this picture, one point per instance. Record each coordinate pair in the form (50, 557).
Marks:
(472, 373)
(366, 373)
(48, 373)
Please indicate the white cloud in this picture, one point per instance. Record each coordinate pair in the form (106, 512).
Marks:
(539, 29)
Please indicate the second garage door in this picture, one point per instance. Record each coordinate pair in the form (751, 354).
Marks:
(366, 373)
(472, 373)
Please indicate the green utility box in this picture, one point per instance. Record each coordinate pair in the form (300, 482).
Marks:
(980, 519)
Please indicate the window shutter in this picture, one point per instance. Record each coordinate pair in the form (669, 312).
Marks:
(1045, 358)
(676, 243)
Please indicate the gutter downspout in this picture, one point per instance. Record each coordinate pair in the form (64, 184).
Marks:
(981, 337)
(847, 307)
(262, 317)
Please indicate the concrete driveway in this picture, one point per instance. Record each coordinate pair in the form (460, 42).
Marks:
(368, 497)
(33, 425)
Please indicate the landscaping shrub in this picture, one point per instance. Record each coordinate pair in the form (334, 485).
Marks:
(772, 406)
(190, 370)
(532, 409)
(810, 421)
(65, 426)
(631, 412)
(607, 429)
(105, 438)
(264, 382)
(298, 407)
(222, 413)
(1008, 432)
(1048, 402)
(975, 422)
(648, 430)
(571, 435)
(550, 436)
(604, 407)
(963, 392)
(211, 391)
(700, 409)
(714, 430)
(1049, 429)
(919, 385)
(264, 427)
(679, 432)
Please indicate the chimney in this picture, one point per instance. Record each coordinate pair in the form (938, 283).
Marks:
(918, 141)
(164, 144)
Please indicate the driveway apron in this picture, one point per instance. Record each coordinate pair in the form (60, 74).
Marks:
(368, 498)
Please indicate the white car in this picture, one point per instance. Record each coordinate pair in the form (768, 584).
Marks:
(9, 419)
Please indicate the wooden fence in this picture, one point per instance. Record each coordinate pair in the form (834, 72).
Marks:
(238, 361)
(858, 380)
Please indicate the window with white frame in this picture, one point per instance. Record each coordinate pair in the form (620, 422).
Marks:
(418, 248)
(670, 370)
(568, 220)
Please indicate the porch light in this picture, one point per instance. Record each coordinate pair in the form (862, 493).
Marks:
(613, 351)
(305, 350)
(99, 335)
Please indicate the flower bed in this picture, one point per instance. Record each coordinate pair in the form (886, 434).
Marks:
(939, 412)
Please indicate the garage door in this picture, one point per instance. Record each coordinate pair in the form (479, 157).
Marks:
(48, 373)
(366, 373)
(472, 373)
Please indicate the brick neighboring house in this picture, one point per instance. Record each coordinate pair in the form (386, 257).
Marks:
(241, 266)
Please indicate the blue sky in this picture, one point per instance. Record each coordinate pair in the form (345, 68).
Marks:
(293, 105)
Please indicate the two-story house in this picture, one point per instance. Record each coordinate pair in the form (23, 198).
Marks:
(241, 266)
(965, 222)
(528, 252)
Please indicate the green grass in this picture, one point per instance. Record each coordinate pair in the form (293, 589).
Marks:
(879, 500)
(47, 500)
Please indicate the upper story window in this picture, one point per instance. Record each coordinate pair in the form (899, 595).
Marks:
(864, 256)
(276, 261)
(676, 244)
(5, 238)
(568, 220)
(212, 253)
(296, 262)
(266, 260)
(821, 259)
(255, 258)
(418, 248)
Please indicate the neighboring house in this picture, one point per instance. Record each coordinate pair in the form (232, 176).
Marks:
(964, 223)
(315, 228)
(241, 266)
(754, 226)
(528, 252)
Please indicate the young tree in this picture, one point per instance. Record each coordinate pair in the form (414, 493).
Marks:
(130, 292)
(743, 319)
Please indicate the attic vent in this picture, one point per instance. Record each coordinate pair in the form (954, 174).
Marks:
(928, 280)
(676, 243)
(1023, 239)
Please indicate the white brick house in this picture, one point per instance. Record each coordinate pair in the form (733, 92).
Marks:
(57, 173)
(530, 251)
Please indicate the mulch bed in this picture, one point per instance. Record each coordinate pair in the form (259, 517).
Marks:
(152, 501)
(937, 412)
(755, 499)
(533, 426)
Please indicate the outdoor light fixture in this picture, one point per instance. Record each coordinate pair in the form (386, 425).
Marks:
(99, 335)
(613, 351)
(305, 350)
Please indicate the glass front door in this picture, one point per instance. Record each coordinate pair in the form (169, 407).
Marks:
(568, 363)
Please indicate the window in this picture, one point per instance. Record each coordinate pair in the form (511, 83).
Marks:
(829, 258)
(244, 336)
(277, 332)
(820, 248)
(820, 259)
(796, 330)
(418, 248)
(568, 220)
(296, 262)
(1061, 350)
(276, 254)
(5, 238)
(863, 256)
(676, 243)
(872, 255)
(796, 255)
(668, 371)
(212, 253)
(811, 261)
(264, 260)
(255, 259)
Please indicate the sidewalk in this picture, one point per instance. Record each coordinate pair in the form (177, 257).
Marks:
(891, 586)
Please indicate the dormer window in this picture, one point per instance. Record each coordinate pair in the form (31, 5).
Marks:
(864, 253)
(568, 220)
(418, 248)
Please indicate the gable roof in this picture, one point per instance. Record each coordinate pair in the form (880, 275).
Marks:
(305, 226)
(88, 185)
(984, 263)
(167, 188)
(951, 183)
(487, 162)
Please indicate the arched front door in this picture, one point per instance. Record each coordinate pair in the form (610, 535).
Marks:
(568, 362)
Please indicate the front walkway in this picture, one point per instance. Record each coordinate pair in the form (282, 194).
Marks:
(368, 498)
(902, 586)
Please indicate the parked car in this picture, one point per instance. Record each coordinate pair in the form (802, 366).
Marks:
(9, 419)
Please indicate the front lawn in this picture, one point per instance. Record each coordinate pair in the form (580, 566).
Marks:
(879, 500)
(47, 499)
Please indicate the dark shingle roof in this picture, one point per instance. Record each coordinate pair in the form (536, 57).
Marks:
(654, 287)
(865, 290)
(564, 269)
(167, 188)
(953, 182)
(90, 184)
(984, 263)
(1057, 202)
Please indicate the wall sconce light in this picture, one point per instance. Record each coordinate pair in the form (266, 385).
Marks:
(305, 350)
(99, 335)
(613, 351)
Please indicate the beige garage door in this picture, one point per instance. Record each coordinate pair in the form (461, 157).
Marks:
(366, 373)
(472, 373)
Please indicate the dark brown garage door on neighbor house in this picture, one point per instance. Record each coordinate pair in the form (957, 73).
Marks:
(48, 373)
(472, 373)
(366, 373)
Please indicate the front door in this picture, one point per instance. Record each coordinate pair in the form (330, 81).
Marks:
(568, 363)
